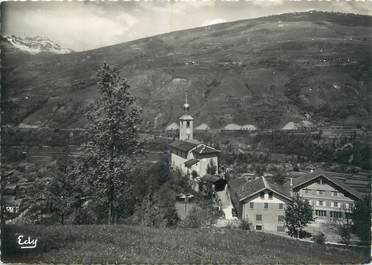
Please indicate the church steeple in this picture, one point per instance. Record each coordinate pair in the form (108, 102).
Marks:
(186, 123)
(186, 106)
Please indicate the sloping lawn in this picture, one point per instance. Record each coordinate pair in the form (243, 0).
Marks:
(134, 244)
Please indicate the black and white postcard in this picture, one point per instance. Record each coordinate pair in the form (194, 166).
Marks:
(186, 132)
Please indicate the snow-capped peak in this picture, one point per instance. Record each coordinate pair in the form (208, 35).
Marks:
(35, 45)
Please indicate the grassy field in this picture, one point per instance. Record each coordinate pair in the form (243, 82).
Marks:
(103, 244)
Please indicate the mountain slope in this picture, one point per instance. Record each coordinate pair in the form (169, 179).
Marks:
(266, 71)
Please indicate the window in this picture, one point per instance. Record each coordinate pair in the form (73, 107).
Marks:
(259, 227)
(334, 193)
(280, 205)
(251, 205)
(280, 218)
(187, 124)
(258, 217)
(306, 191)
(347, 206)
(270, 195)
(266, 205)
(280, 228)
(321, 203)
(320, 213)
(262, 195)
(336, 204)
(335, 214)
(320, 192)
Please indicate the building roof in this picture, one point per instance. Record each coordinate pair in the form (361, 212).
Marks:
(186, 117)
(210, 178)
(302, 181)
(203, 149)
(191, 162)
(202, 127)
(243, 189)
(172, 126)
(232, 127)
(290, 126)
(183, 145)
(249, 127)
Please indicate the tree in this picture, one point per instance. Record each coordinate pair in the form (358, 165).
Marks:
(343, 227)
(361, 217)
(113, 141)
(298, 214)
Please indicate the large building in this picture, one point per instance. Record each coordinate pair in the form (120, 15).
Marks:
(188, 154)
(262, 202)
(330, 197)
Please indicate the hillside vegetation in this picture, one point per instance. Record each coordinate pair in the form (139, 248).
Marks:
(266, 71)
(105, 244)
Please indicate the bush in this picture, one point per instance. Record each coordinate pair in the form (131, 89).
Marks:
(200, 217)
(194, 219)
(320, 238)
(304, 234)
(244, 225)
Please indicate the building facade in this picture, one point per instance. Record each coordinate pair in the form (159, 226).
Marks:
(261, 204)
(331, 199)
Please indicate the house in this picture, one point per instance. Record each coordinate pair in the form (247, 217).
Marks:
(202, 127)
(260, 202)
(330, 197)
(11, 204)
(232, 127)
(172, 127)
(188, 154)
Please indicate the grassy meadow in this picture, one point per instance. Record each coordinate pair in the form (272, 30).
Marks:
(120, 243)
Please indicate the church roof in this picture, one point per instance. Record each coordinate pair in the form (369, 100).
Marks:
(183, 145)
(191, 162)
(205, 149)
(172, 126)
(186, 117)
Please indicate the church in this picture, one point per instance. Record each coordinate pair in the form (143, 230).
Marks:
(189, 155)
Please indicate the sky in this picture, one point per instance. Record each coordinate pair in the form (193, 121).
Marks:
(89, 25)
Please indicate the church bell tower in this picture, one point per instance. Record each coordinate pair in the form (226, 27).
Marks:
(186, 123)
